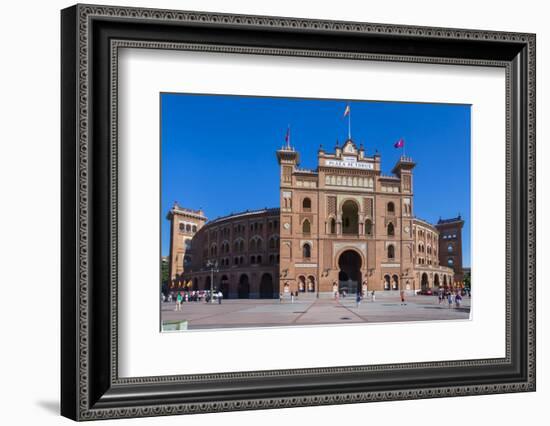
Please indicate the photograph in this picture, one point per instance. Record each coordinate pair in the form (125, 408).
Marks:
(270, 208)
(283, 212)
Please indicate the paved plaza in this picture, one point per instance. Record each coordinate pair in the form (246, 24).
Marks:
(234, 313)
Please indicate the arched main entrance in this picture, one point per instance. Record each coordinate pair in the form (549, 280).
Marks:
(349, 276)
(266, 287)
(436, 281)
(424, 283)
(244, 287)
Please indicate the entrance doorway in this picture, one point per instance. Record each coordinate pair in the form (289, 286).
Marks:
(266, 287)
(244, 287)
(224, 284)
(436, 281)
(424, 284)
(349, 277)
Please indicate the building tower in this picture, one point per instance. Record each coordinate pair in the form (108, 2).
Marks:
(184, 224)
(450, 246)
(404, 171)
(288, 160)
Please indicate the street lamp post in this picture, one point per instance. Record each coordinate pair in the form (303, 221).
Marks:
(213, 268)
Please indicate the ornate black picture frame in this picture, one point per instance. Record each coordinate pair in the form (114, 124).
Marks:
(91, 388)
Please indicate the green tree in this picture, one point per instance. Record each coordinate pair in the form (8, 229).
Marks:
(468, 280)
(164, 277)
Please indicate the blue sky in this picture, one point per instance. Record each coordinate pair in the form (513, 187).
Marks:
(218, 152)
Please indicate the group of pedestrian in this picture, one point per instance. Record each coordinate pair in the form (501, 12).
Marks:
(293, 296)
(193, 296)
(358, 298)
(452, 297)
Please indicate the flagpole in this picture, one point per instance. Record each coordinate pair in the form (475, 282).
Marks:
(288, 136)
(349, 123)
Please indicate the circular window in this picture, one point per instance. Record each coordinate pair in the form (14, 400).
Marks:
(450, 262)
(450, 247)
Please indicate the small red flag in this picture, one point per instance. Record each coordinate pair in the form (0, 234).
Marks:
(347, 111)
(399, 144)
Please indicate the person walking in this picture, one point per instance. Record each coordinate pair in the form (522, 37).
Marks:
(450, 299)
(220, 297)
(402, 294)
(373, 296)
(358, 299)
(178, 301)
(458, 299)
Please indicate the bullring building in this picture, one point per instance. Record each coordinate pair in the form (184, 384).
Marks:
(343, 227)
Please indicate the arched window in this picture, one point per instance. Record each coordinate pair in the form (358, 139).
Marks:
(333, 226)
(391, 230)
(391, 207)
(391, 252)
(368, 227)
(259, 244)
(259, 259)
(306, 204)
(252, 245)
(306, 227)
(252, 259)
(306, 251)
(241, 245)
(188, 227)
(350, 218)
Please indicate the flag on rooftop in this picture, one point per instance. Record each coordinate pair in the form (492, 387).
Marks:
(399, 144)
(347, 111)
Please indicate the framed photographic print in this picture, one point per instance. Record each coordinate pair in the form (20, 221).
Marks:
(263, 212)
